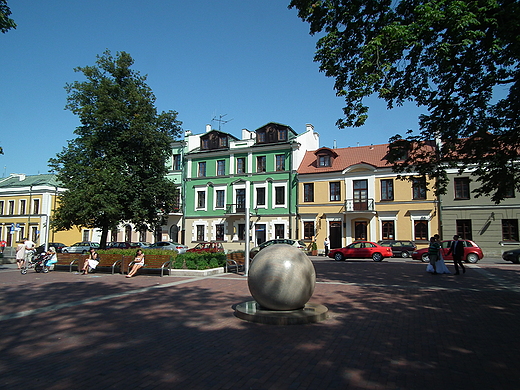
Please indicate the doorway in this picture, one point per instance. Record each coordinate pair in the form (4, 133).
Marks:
(335, 234)
(360, 230)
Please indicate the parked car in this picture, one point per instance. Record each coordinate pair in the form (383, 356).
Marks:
(172, 246)
(400, 248)
(119, 245)
(472, 252)
(80, 247)
(140, 244)
(211, 247)
(57, 245)
(296, 243)
(512, 255)
(361, 250)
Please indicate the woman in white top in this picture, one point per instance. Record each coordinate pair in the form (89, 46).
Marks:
(138, 263)
(20, 254)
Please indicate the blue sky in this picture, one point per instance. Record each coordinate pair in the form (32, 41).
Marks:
(251, 61)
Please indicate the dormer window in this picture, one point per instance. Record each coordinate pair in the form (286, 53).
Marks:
(324, 161)
(325, 157)
(272, 133)
(214, 140)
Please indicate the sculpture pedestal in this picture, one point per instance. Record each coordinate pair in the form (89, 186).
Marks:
(252, 311)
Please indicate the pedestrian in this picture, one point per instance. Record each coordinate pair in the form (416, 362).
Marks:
(138, 263)
(3, 244)
(20, 254)
(30, 249)
(457, 249)
(434, 250)
(326, 244)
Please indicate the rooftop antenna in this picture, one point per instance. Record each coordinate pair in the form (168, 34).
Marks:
(221, 121)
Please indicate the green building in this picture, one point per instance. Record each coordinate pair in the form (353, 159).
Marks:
(225, 175)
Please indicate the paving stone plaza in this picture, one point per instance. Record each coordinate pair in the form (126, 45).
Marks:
(391, 325)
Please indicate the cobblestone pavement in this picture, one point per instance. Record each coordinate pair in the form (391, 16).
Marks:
(391, 325)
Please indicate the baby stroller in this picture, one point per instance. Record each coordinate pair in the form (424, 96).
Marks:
(36, 262)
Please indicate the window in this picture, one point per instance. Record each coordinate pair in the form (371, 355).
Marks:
(11, 207)
(260, 164)
(260, 196)
(279, 196)
(308, 230)
(86, 235)
(201, 199)
(335, 193)
(421, 230)
(510, 230)
(360, 194)
(387, 189)
(241, 231)
(279, 231)
(461, 188)
(200, 233)
(510, 190)
(219, 229)
(419, 188)
(219, 201)
(308, 192)
(241, 199)
(260, 136)
(36, 206)
(464, 229)
(221, 167)
(241, 165)
(23, 203)
(387, 230)
(282, 134)
(176, 162)
(280, 162)
(324, 161)
(202, 169)
(1, 207)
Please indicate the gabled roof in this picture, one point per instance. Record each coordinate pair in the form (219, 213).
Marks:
(374, 155)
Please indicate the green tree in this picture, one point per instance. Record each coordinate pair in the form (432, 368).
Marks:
(457, 59)
(6, 23)
(114, 169)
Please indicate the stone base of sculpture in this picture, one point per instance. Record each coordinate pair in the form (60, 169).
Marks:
(253, 312)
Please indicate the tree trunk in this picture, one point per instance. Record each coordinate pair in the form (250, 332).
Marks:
(104, 236)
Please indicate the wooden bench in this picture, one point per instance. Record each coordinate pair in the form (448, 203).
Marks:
(109, 260)
(236, 260)
(69, 260)
(153, 262)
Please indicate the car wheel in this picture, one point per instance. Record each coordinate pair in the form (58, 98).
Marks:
(65, 251)
(517, 261)
(377, 256)
(83, 252)
(338, 256)
(405, 254)
(425, 258)
(472, 258)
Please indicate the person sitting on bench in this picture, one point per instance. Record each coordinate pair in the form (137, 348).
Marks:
(138, 263)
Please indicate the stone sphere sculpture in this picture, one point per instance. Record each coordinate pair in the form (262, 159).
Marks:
(281, 277)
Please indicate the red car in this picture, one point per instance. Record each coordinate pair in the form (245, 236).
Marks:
(361, 250)
(211, 247)
(472, 252)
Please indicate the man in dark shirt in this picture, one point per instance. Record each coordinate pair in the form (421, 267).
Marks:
(457, 248)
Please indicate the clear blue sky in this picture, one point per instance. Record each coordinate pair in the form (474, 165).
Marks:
(251, 61)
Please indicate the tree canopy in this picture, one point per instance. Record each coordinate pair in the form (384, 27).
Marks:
(6, 23)
(115, 169)
(457, 59)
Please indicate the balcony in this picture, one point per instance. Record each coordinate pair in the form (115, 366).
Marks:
(353, 206)
(232, 209)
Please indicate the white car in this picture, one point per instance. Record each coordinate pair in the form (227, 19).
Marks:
(173, 246)
(80, 247)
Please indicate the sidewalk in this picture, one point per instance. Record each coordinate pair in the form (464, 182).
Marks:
(391, 326)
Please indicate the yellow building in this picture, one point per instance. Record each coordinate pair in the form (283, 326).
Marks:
(27, 203)
(351, 194)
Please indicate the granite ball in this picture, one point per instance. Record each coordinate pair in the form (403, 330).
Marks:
(281, 277)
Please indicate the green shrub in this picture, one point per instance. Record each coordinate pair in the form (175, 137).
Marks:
(200, 260)
(190, 264)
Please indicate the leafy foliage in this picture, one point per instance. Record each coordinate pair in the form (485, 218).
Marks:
(114, 169)
(6, 23)
(457, 59)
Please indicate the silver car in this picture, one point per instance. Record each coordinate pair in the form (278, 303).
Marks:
(81, 247)
(173, 246)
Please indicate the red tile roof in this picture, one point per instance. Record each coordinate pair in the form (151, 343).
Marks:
(374, 155)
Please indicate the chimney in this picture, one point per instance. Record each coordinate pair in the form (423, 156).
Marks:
(208, 128)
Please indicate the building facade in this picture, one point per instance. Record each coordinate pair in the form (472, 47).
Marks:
(225, 176)
(351, 194)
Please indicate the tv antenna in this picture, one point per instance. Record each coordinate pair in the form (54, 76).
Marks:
(221, 121)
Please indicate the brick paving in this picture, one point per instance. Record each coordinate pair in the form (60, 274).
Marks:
(391, 326)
